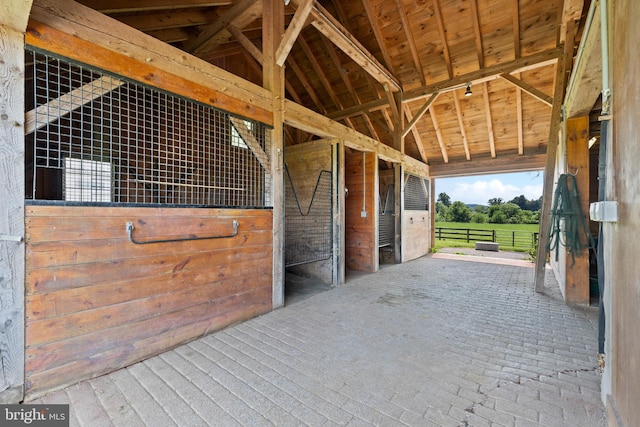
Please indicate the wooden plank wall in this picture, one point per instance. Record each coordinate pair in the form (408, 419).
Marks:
(96, 302)
(361, 243)
(622, 250)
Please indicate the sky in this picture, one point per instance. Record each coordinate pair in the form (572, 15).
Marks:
(478, 189)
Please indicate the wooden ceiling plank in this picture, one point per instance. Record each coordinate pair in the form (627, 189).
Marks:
(247, 44)
(377, 32)
(311, 58)
(463, 132)
(345, 41)
(204, 39)
(419, 114)
(487, 110)
(443, 37)
(127, 6)
(477, 33)
(165, 21)
(378, 104)
(305, 83)
(571, 11)
(488, 73)
(293, 30)
(406, 25)
(528, 88)
(436, 126)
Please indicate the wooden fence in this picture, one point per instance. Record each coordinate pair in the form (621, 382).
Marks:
(512, 238)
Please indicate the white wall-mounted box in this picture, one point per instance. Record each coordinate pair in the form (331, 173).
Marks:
(606, 211)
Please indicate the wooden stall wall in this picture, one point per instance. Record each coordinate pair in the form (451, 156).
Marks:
(305, 163)
(95, 302)
(622, 250)
(416, 234)
(361, 232)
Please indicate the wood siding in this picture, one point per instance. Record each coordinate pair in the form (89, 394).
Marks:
(361, 243)
(621, 238)
(96, 302)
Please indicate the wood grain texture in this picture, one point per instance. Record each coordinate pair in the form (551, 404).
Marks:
(361, 179)
(94, 297)
(12, 190)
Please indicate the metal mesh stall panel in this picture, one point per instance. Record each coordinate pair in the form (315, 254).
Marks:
(308, 235)
(98, 138)
(416, 193)
(386, 218)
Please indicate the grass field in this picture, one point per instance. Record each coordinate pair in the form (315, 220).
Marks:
(502, 230)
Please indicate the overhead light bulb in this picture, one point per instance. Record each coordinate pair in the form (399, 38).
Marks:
(468, 91)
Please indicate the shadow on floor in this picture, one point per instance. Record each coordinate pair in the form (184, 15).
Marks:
(298, 288)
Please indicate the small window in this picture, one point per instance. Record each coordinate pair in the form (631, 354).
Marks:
(236, 139)
(87, 180)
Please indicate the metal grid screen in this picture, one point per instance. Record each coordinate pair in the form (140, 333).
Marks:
(386, 220)
(97, 138)
(416, 193)
(308, 232)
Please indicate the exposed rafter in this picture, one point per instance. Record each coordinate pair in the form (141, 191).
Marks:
(406, 25)
(487, 111)
(488, 73)
(463, 132)
(293, 30)
(528, 88)
(164, 21)
(516, 29)
(520, 123)
(335, 31)
(416, 135)
(128, 6)
(371, 15)
(477, 33)
(419, 114)
(436, 127)
(443, 37)
(246, 10)
(305, 83)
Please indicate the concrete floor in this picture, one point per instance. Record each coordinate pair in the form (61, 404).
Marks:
(432, 342)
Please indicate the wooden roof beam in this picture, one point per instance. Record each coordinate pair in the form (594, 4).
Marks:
(443, 37)
(477, 33)
(345, 41)
(520, 123)
(419, 114)
(165, 21)
(463, 132)
(305, 83)
(410, 40)
(507, 162)
(416, 135)
(538, 94)
(377, 32)
(127, 6)
(246, 10)
(487, 109)
(293, 30)
(436, 126)
(317, 68)
(516, 29)
(526, 63)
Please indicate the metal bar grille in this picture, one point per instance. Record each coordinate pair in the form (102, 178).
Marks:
(386, 219)
(308, 235)
(97, 138)
(416, 193)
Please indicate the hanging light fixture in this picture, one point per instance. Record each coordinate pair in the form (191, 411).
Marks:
(468, 91)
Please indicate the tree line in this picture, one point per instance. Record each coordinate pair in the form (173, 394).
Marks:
(519, 210)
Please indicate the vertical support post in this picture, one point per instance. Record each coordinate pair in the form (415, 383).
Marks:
(337, 176)
(273, 80)
(549, 170)
(432, 210)
(13, 23)
(398, 197)
(577, 276)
